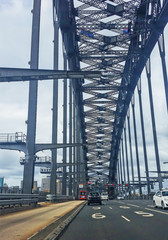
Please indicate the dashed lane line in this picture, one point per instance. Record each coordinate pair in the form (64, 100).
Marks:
(165, 213)
(133, 205)
(126, 219)
(125, 207)
(128, 204)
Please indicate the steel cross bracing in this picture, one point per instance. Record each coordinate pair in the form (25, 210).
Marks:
(115, 37)
(103, 46)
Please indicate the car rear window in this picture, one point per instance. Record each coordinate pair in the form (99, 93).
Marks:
(94, 194)
(165, 193)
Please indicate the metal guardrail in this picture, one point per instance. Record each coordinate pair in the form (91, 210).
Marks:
(52, 197)
(17, 137)
(18, 199)
(9, 200)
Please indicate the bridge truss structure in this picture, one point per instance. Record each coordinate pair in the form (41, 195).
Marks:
(106, 46)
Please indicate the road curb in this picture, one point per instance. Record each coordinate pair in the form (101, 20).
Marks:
(62, 226)
(59, 228)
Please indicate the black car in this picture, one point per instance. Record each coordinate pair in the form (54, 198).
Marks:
(94, 197)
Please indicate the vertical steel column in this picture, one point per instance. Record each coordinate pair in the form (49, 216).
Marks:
(28, 176)
(130, 145)
(118, 176)
(74, 148)
(162, 55)
(53, 186)
(123, 160)
(126, 155)
(78, 148)
(121, 171)
(70, 136)
(136, 146)
(148, 73)
(82, 160)
(64, 128)
(143, 135)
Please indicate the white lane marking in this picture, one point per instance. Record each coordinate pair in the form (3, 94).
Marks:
(144, 214)
(120, 202)
(125, 207)
(98, 216)
(96, 208)
(133, 205)
(110, 207)
(165, 213)
(150, 206)
(126, 218)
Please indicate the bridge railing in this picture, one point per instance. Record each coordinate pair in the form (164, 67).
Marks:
(46, 159)
(18, 137)
(8, 200)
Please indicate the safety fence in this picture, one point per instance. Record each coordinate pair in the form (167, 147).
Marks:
(17, 137)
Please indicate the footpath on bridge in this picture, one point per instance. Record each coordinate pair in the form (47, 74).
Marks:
(46, 222)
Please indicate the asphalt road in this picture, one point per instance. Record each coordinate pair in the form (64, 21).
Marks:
(119, 220)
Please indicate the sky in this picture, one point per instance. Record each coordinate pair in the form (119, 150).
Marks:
(15, 43)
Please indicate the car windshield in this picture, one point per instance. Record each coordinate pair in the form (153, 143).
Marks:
(165, 193)
(94, 194)
(104, 194)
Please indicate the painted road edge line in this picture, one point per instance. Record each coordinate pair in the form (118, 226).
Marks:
(126, 219)
(165, 213)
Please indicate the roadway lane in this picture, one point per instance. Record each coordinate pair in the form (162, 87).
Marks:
(22, 225)
(119, 220)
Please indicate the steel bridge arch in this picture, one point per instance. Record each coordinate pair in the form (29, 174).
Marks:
(129, 77)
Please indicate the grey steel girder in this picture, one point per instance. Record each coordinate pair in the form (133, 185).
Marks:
(21, 74)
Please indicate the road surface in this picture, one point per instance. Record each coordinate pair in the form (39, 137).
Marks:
(119, 220)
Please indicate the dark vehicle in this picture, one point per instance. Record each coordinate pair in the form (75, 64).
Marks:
(111, 191)
(94, 197)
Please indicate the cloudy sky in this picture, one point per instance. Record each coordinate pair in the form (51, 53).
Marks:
(15, 39)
